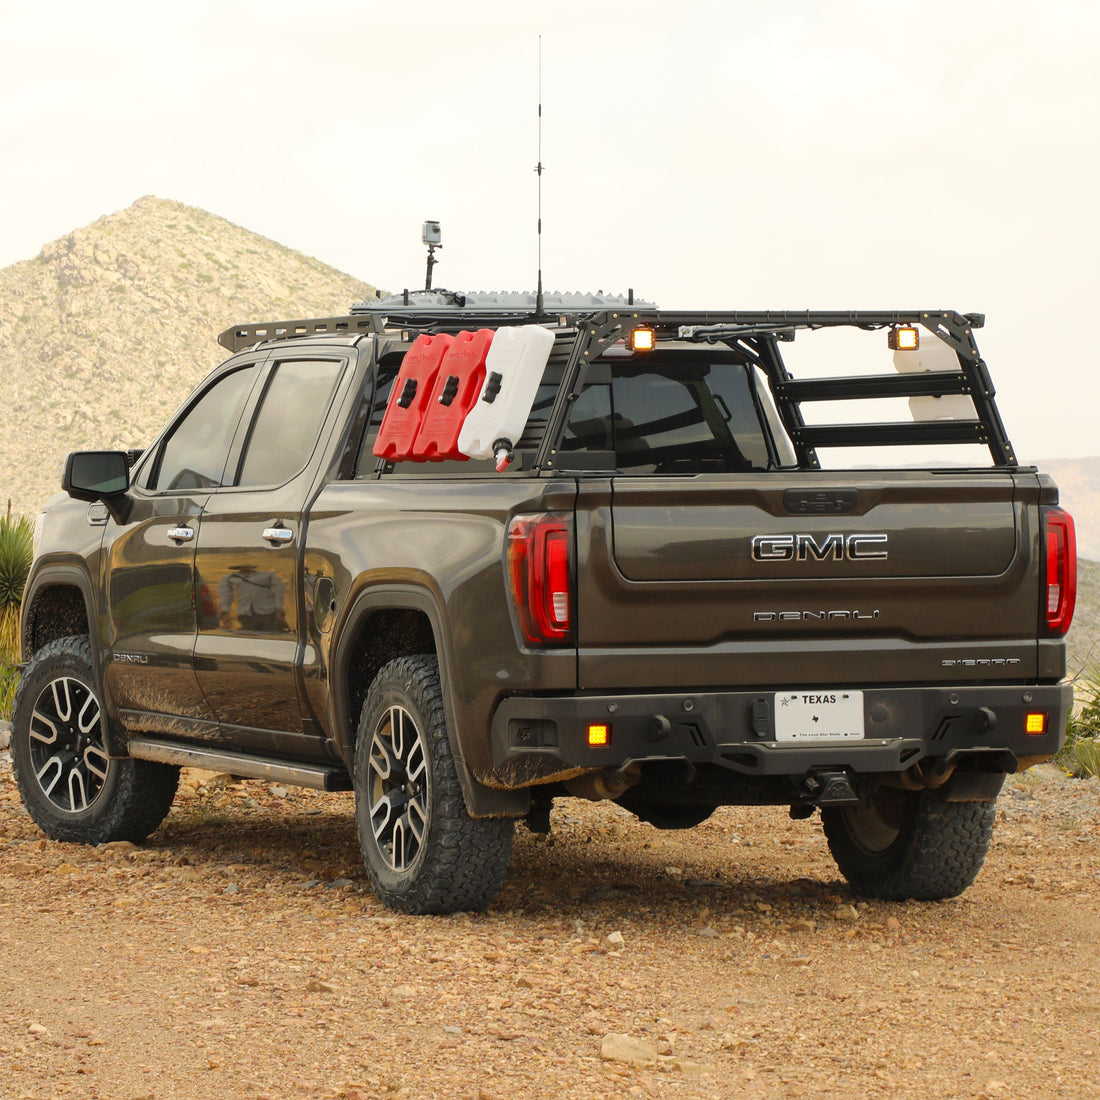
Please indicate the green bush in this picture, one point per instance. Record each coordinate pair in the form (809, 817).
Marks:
(1081, 755)
(15, 564)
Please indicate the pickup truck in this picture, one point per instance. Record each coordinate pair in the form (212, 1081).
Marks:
(648, 588)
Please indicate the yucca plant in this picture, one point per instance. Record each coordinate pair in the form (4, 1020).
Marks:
(15, 564)
(1080, 757)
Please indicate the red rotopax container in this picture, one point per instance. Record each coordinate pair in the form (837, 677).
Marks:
(412, 390)
(457, 385)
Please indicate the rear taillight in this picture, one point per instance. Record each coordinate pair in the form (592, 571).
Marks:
(539, 552)
(1061, 569)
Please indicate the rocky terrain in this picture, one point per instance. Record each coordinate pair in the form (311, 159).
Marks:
(241, 954)
(105, 332)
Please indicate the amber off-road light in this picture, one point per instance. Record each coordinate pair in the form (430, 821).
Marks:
(1035, 724)
(903, 338)
(599, 735)
(643, 339)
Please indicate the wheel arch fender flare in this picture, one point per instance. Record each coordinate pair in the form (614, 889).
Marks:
(54, 575)
(481, 801)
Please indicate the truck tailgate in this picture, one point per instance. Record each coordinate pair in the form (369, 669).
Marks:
(808, 578)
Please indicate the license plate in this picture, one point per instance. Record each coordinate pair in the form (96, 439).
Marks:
(818, 715)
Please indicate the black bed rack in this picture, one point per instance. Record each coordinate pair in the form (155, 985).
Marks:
(755, 334)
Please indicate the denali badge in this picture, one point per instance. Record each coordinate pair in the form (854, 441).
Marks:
(818, 547)
(813, 616)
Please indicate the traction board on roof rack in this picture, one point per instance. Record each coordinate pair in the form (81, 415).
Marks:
(243, 336)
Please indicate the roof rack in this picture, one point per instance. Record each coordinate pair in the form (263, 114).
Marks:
(439, 310)
(602, 319)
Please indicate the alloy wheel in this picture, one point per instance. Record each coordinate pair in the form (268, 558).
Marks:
(399, 789)
(67, 754)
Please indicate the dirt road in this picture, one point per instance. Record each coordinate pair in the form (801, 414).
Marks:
(241, 954)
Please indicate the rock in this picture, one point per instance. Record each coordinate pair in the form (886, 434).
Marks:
(279, 792)
(118, 847)
(317, 986)
(39, 1030)
(674, 872)
(616, 1047)
(688, 1069)
(893, 924)
(708, 933)
(802, 925)
(615, 939)
(846, 912)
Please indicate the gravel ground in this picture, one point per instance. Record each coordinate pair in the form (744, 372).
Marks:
(240, 953)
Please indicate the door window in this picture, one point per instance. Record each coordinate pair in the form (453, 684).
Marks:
(285, 430)
(195, 454)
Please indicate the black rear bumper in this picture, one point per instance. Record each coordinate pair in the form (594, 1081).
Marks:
(538, 739)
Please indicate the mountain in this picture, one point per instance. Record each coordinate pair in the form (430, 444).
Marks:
(104, 333)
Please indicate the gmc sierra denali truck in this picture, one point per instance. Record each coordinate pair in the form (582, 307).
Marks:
(466, 555)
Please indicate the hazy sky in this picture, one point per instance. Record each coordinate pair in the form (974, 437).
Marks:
(736, 154)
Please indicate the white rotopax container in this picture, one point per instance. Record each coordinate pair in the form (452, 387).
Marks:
(934, 355)
(513, 371)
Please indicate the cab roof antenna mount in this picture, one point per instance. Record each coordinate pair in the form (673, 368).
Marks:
(432, 236)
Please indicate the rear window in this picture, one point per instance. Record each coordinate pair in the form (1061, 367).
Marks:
(672, 413)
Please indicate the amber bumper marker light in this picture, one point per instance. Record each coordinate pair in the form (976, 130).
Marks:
(1035, 724)
(642, 339)
(599, 735)
(903, 338)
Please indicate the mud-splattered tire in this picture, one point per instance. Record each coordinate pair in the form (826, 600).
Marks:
(909, 844)
(71, 788)
(422, 850)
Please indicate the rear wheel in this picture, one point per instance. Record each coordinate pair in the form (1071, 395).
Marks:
(423, 851)
(909, 844)
(74, 791)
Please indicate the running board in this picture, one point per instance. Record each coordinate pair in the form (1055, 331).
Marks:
(317, 776)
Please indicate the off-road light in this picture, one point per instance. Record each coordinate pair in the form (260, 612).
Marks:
(1035, 724)
(643, 339)
(599, 735)
(903, 338)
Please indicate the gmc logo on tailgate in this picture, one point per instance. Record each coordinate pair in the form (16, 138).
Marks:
(818, 547)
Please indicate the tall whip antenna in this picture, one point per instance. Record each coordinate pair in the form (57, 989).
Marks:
(538, 169)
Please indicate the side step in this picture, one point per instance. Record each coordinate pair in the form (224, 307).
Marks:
(317, 776)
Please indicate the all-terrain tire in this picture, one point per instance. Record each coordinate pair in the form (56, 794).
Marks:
(422, 850)
(71, 788)
(909, 844)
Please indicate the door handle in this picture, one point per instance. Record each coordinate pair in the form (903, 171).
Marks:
(280, 535)
(181, 534)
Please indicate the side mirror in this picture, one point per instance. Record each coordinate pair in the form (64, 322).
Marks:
(99, 475)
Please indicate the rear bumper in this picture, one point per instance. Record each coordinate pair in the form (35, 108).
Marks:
(542, 739)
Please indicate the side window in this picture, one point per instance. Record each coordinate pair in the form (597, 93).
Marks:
(195, 454)
(284, 431)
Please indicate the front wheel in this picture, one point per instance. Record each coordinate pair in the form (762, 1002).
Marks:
(422, 850)
(909, 844)
(74, 791)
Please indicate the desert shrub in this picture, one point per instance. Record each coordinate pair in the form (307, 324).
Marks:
(1081, 755)
(15, 564)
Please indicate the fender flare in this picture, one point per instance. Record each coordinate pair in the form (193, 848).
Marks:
(481, 801)
(67, 575)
